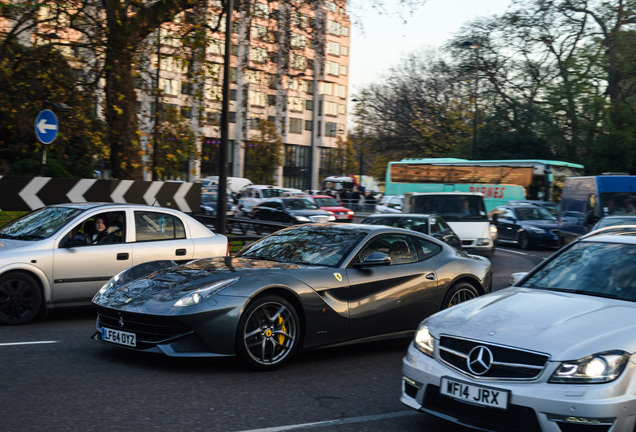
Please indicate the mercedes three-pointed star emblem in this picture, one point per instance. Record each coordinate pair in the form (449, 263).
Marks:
(479, 360)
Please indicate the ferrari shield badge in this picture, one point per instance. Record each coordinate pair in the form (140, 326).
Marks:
(338, 276)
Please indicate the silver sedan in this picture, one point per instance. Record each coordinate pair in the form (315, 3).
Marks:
(555, 352)
(61, 255)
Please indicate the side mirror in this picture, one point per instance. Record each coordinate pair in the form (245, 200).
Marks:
(76, 240)
(516, 277)
(374, 260)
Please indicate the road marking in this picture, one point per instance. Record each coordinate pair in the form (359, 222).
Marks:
(513, 251)
(336, 422)
(27, 343)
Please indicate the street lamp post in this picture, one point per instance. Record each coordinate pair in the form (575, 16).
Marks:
(221, 215)
(475, 109)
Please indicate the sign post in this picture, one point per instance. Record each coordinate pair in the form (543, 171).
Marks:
(46, 127)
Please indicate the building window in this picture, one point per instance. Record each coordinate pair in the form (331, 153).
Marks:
(232, 118)
(233, 94)
(271, 100)
(309, 104)
(295, 103)
(252, 77)
(343, 70)
(295, 125)
(333, 48)
(344, 50)
(309, 125)
(298, 40)
(259, 32)
(258, 55)
(345, 31)
(341, 91)
(331, 6)
(261, 10)
(332, 68)
(334, 27)
(214, 92)
(257, 98)
(331, 129)
(326, 88)
(298, 62)
(331, 109)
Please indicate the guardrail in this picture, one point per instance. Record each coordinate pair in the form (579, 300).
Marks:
(244, 230)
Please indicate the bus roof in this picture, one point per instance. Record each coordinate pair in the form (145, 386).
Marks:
(518, 162)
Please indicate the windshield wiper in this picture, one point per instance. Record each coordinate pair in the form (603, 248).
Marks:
(27, 237)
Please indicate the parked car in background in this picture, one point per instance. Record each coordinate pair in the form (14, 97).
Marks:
(525, 225)
(302, 287)
(209, 202)
(550, 206)
(430, 224)
(614, 221)
(554, 352)
(255, 194)
(329, 204)
(290, 210)
(390, 204)
(61, 255)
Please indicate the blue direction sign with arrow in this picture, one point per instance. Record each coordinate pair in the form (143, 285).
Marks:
(46, 126)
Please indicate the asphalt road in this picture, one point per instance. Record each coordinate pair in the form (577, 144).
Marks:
(54, 378)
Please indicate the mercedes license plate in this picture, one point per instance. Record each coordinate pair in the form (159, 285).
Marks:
(119, 337)
(476, 395)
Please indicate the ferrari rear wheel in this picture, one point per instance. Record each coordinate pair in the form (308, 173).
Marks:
(20, 298)
(268, 333)
(459, 293)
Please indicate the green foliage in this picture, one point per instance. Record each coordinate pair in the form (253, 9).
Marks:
(29, 76)
(177, 145)
(264, 154)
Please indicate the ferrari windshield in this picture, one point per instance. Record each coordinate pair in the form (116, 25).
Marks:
(40, 224)
(314, 245)
(595, 268)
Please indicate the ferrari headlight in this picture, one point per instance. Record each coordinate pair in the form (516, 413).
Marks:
(302, 219)
(596, 368)
(424, 341)
(197, 296)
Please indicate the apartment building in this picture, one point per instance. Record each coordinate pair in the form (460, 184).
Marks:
(289, 65)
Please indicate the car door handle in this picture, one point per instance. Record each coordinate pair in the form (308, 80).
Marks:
(122, 256)
(180, 252)
(430, 276)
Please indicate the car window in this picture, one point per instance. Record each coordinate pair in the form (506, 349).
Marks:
(273, 204)
(399, 248)
(153, 226)
(100, 229)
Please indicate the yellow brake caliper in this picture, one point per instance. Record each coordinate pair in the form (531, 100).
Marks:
(281, 337)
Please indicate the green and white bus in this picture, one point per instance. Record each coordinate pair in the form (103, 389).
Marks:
(499, 181)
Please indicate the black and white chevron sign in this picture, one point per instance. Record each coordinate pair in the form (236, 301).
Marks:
(30, 193)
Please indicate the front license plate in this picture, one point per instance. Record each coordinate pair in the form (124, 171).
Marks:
(476, 395)
(119, 337)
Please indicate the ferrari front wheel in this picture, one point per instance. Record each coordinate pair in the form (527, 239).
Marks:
(268, 333)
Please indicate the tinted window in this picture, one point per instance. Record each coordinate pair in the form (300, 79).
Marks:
(40, 224)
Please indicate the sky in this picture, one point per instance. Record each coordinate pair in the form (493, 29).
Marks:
(384, 40)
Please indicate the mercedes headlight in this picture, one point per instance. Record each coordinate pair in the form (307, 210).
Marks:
(596, 368)
(424, 341)
(197, 296)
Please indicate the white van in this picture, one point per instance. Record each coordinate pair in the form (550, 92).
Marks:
(235, 184)
(465, 212)
(255, 194)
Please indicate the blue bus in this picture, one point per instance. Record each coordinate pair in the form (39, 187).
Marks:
(500, 181)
